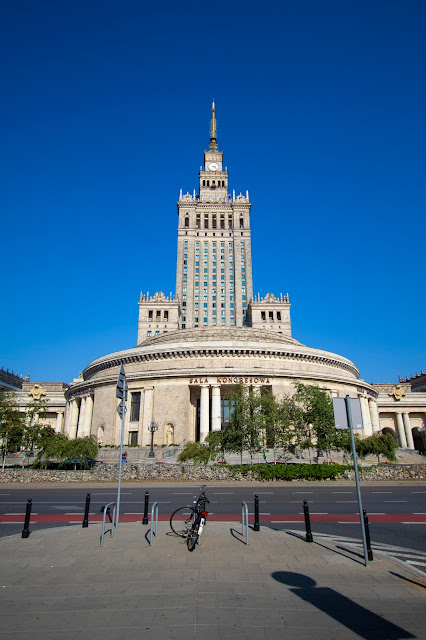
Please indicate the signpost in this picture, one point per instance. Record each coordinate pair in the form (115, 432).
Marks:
(347, 415)
(121, 392)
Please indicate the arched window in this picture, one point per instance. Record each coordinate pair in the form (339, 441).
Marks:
(187, 222)
(241, 223)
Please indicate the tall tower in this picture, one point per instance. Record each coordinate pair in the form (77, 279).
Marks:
(214, 270)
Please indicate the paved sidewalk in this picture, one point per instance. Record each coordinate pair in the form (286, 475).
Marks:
(60, 584)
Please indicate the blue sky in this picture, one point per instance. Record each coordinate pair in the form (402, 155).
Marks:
(105, 115)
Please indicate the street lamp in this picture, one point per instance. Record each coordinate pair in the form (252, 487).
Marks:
(153, 427)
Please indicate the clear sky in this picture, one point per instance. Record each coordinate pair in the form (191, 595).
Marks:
(105, 114)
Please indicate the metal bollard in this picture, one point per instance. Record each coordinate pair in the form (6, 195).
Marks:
(256, 526)
(86, 512)
(309, 537)
(367, 535)
(145, 509)
(26, 529)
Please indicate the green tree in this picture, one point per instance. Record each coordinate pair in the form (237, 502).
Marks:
(34, 430)
(316, 415)
(244, 432)
(78, 451)
(12, 422)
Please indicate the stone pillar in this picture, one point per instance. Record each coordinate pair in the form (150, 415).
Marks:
(67, 417)
(80, 428)
(74, 420)
(408, 433)
(148, 407)
(204, 413)
(374, 415)
(367, 430)
(88, 415)
(59, 421)
(216, 408)
(401, 433)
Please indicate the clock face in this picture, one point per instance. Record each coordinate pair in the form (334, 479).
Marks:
(213, 166)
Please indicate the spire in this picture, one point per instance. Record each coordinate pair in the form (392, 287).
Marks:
(213, 141)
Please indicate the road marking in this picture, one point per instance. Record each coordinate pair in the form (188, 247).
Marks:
(346, 522)
(419, 513)
(376, 513)
(33, 513)
(413, 522)
(419, 564)
(395, 500)
(318, 513)
(411, 492)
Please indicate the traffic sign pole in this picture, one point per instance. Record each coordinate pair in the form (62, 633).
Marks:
(121, 392)
(350, 424)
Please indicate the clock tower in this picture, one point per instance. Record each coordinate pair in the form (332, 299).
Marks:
(214, 270)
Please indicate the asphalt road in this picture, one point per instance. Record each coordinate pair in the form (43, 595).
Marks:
(397, 513)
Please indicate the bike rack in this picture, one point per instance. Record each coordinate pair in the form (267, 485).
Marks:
(154, 519)
(244, 520)
(106, 511)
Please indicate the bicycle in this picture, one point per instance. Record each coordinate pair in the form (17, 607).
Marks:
(188, 522)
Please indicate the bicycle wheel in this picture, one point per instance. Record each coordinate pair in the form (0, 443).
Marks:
(181, 521)
(192, 538)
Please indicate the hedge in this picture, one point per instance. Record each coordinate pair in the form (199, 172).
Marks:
(290, 471)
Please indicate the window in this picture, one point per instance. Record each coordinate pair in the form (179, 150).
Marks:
(183, 318)
(186, 222)
(184, 296)
(241, 223)
(279, 315)
(205, 298)
(133, 438)
(149, 333)
(184, 289)
(157, 333)
(271, 316)
(263, 315)
(205, 304)
(158, 314)
(166, 315)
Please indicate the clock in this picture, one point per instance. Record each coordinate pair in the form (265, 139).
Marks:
(213, 166)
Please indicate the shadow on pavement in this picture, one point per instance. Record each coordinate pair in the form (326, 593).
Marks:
(355, 617)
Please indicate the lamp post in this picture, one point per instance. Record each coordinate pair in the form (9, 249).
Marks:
(153, 427)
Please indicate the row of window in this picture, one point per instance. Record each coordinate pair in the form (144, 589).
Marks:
(157, 314)
(213, 222)
(271, 316)
(214, 184)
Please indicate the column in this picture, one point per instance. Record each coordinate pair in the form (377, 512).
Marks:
(216, 408)
(59, 421)
(374, 415)
(367, 430)
(88, 415)
(401, 433)
(80, 428)
(408, 432)
(204, 413)
(74, 420)
(67, 417)
(148, 406)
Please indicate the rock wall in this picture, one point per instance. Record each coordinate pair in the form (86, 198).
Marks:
(109, 473)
